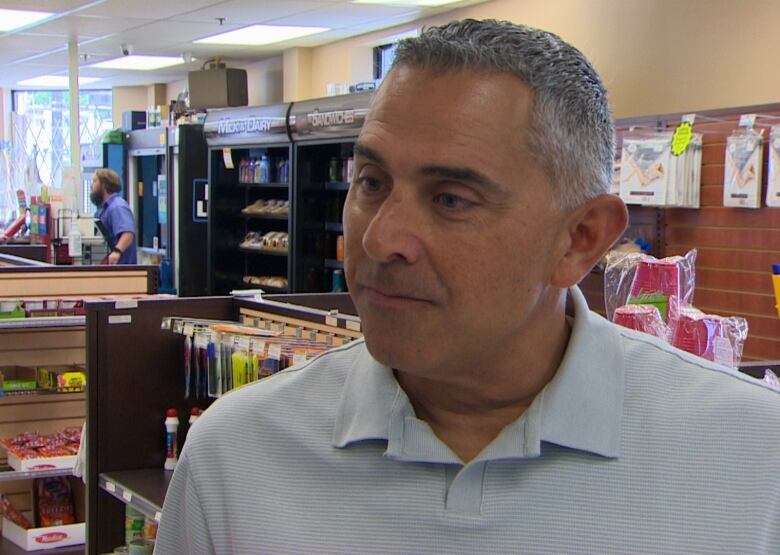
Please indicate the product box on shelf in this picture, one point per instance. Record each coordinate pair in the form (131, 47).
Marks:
(42, 463)
(61, 531)
(51, 537)
(33, 451)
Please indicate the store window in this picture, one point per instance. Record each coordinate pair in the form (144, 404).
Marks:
(383, 59)
(41, 137)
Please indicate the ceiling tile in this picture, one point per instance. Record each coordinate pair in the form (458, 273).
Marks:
(31, 42)
(347, 15)
(56, 6)
(248, 12)
(145, 8)
(90, 26)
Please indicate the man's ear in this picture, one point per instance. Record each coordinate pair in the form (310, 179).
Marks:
(590, 231)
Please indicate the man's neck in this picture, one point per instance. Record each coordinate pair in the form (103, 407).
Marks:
(470, 410)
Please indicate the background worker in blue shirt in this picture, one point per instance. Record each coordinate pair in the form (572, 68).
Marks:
(115, 215)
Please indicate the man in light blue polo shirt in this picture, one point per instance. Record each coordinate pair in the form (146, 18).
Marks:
(115, 216)
(481, 414)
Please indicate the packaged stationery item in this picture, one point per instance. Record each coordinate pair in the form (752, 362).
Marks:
(653, 173)
(742, 175)
(644, 169)
(773, 179)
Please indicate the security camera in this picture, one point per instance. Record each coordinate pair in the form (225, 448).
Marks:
(127, 49)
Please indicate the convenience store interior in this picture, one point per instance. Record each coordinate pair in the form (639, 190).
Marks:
(238, 184)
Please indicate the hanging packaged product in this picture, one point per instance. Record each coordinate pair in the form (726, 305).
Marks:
(773, 179)
(653, 173)
(655, 297)
(742, 176)
(637, 278)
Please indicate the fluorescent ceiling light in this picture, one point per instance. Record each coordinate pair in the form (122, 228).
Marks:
(257, 35)
(14, 19)
(60, 81)
(140, 62)
(421, 3)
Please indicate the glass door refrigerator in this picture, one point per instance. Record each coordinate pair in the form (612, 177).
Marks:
(249, 202)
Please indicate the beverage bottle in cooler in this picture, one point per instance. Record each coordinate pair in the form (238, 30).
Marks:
(242, 171)
(265, 170)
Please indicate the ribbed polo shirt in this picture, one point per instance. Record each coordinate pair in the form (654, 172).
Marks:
(632, 447)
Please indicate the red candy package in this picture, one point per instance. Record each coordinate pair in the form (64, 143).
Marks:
(10, 512)
(54, 502)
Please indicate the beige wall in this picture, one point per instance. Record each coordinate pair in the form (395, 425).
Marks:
(656, 56)
(126, 99)
(265, 83)
(296, 74)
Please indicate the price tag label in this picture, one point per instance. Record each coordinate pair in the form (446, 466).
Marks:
(201, 340)
(331, 321)
(110, 487)
(299, 358)
(352, 325)
(747, 120)
(157, 516)
(124, 304)
(243, 343)
(189, 330)
(681, 139)
(258, 346)
(227, 156)
(120, 319)
(178, 327)
(275, 352)
(127, 496)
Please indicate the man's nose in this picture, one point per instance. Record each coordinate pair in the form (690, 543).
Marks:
(394, 230)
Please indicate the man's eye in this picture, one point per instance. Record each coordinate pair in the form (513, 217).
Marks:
(369, 184)
(451, 202)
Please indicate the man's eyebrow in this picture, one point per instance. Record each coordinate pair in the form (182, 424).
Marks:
(369, 153)
(466, 175)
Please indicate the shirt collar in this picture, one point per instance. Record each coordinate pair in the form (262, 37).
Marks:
(110, 199)
(581, 408)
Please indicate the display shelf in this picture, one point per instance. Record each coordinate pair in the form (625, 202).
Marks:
(333, 263)
(43, 322)
(8, 474)
(272, 289)
(7, 547)
(264, 217)
(143, 490)
(336, 186)
(38, 396)
(334, 226)
(262, 251)
(266, 185)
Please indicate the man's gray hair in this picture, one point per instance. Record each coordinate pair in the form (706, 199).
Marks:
(571, 130)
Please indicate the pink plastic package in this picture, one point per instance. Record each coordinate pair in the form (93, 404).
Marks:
(716, 338)
(642, 317)
(637, 278)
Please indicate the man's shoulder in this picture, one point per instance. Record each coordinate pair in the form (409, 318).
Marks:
(665, 374)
